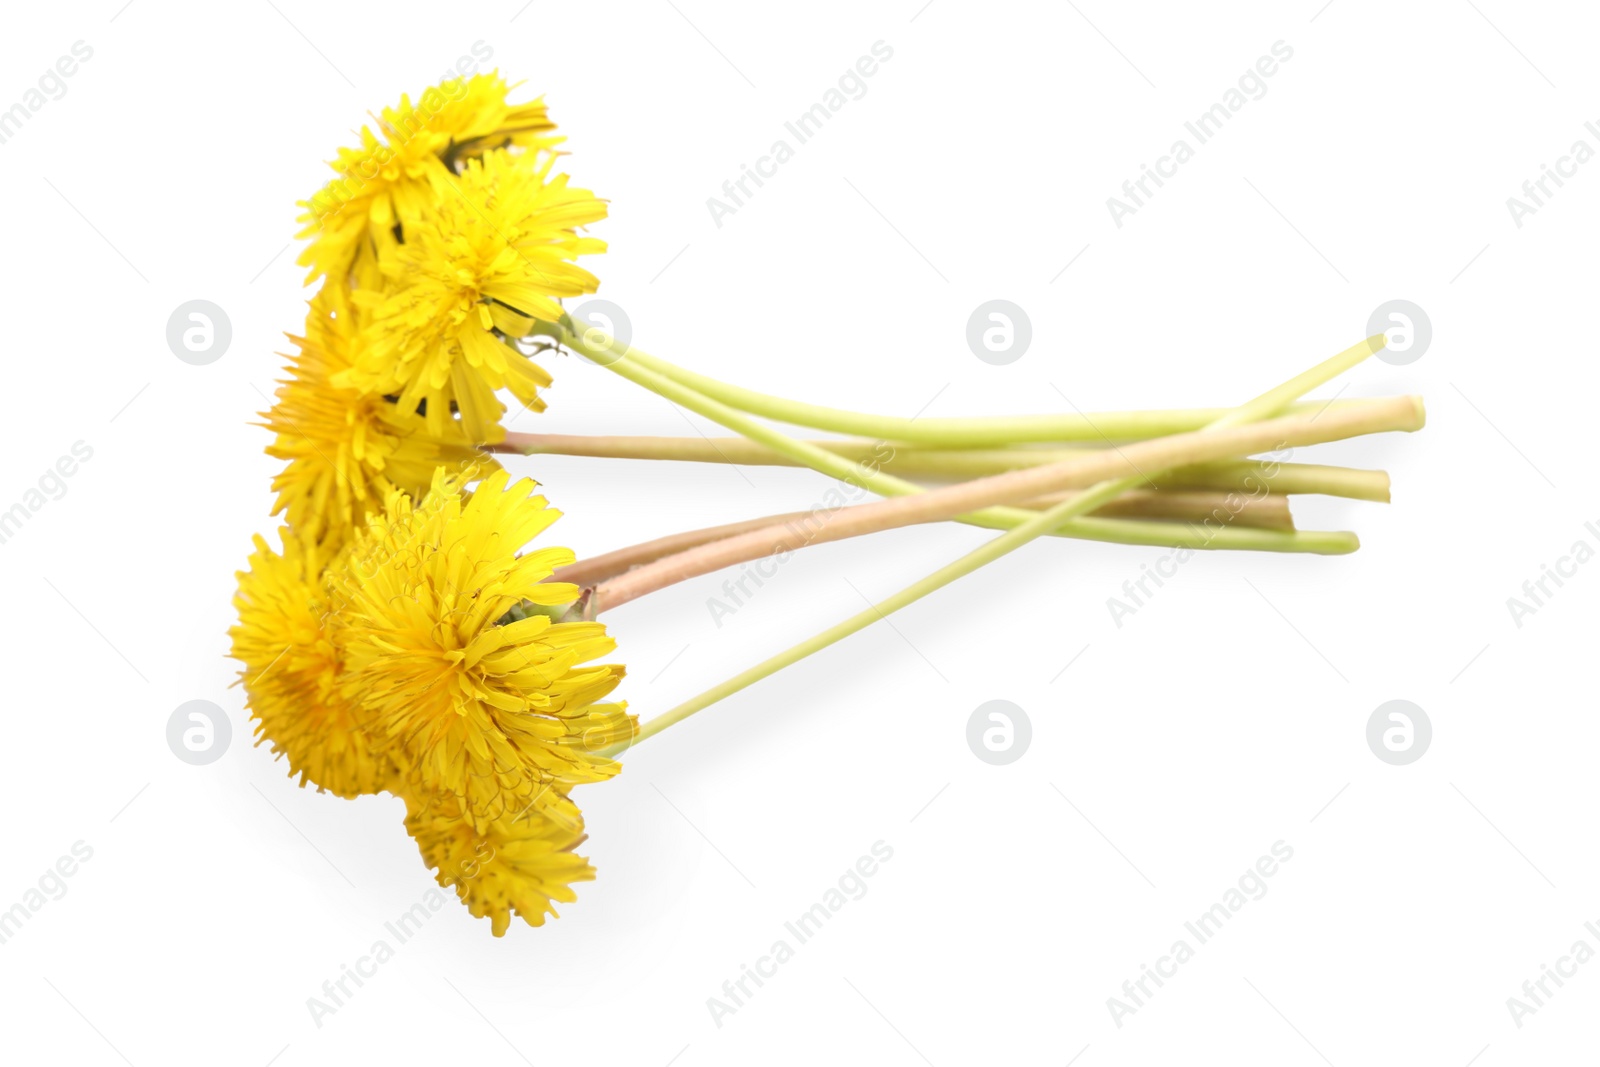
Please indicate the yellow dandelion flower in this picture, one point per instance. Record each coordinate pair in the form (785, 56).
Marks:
(390, 179)
(286, 642)
(517, 864)
(452, 661)
(347, 452)
(490, 259)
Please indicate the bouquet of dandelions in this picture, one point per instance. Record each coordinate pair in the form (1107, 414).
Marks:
(409, 636)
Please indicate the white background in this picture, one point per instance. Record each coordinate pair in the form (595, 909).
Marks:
(1172, 753)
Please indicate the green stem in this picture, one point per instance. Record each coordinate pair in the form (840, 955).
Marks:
(1270, 403)
(979, 432)
(622, 360)
(1290, 479)
(992, 550)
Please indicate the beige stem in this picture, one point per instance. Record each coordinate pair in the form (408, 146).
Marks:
(1269, 512)
(1395, 413)
(945, 464)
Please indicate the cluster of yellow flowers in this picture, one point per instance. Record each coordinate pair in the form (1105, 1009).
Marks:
(401, 640)
(405, 636)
